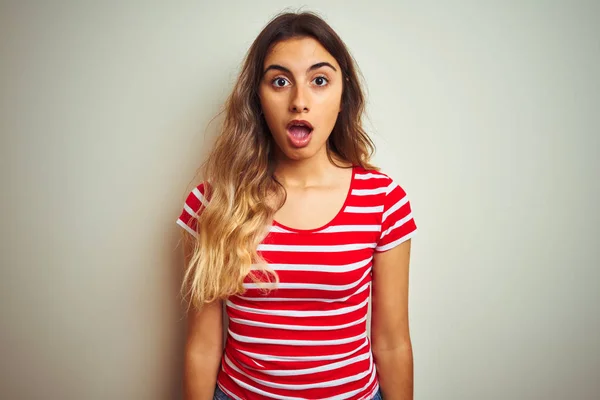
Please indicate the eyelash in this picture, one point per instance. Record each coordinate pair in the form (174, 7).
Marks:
(317, 77)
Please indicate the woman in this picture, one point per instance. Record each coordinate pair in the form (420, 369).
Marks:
(290, 228)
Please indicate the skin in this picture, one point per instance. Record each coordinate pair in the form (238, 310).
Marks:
(301, 81)
(304, 81)
(297, 85)
(390, 333)
(203, 346)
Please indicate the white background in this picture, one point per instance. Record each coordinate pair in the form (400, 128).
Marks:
(487, 113)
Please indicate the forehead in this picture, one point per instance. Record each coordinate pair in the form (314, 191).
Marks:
(298, 53)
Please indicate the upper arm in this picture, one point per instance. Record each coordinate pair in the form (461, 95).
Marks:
(391, 259)
(389, 311)
(205, 325)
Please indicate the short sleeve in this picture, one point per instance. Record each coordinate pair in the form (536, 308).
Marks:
(194, 203)
(397, 222)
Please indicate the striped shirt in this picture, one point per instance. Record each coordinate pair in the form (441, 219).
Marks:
(307, 339)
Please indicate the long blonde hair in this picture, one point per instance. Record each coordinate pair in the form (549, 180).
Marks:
(238, 173)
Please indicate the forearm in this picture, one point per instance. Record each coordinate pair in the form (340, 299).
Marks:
(200, 375)
(395, 372)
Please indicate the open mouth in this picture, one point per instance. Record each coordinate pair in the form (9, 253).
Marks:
(299, 133)
(299, 130)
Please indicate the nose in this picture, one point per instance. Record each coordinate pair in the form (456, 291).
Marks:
(299, 101)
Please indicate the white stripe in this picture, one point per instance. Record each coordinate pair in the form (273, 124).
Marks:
(260, 391)
(297, 327)
(351, 228)
(363, 210)
(268, 357)
(335, 382)
(340, 300)
(189, 210)
(186, 227)
(368, 192)
(276, 396)
(398, 224)
(200, 197)
(390, 187)
(394, 208)
(319, 267)
(370, 175)
(332, 342)
(310, 286)
(314, 370)
(396, 242)
(315, 249)
(294, 313)
(371, 395)
(354, 392)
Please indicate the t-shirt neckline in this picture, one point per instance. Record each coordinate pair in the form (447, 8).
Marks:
(333, 220)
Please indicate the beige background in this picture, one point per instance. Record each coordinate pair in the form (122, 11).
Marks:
(486, 112)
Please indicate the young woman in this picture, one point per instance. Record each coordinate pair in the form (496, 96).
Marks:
(290, 228)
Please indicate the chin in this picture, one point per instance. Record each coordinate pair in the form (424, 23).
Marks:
(300, 154)
(297, 154)
(299, 157)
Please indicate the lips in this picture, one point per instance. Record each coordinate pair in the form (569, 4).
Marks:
(300, 123)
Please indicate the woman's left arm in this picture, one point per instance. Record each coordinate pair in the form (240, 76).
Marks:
(390, 336)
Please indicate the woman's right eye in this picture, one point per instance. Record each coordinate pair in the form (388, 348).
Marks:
(280, 82)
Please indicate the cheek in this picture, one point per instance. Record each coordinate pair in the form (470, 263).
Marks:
(271, 103)
(330, 100)
(329, 107)
(271, 109)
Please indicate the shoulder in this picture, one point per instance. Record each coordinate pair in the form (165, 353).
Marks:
(377, 179)
(396, 218)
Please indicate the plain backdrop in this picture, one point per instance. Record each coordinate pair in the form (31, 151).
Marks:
(487, 113)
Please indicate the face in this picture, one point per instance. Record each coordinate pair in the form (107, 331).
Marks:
(300, 95)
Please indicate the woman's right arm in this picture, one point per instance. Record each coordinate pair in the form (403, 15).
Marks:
(203, 348)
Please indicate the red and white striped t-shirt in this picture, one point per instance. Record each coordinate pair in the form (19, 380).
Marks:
(307, 339)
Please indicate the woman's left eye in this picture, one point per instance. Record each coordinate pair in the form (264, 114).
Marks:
(320, 81)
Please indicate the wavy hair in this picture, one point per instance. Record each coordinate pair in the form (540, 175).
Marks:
(239, 176)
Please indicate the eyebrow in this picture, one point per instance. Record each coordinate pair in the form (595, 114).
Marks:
(311, 68)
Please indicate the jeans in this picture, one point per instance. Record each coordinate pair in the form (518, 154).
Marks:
(219, 395)
(378, 395)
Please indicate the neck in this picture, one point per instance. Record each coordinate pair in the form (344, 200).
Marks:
(314, 171)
